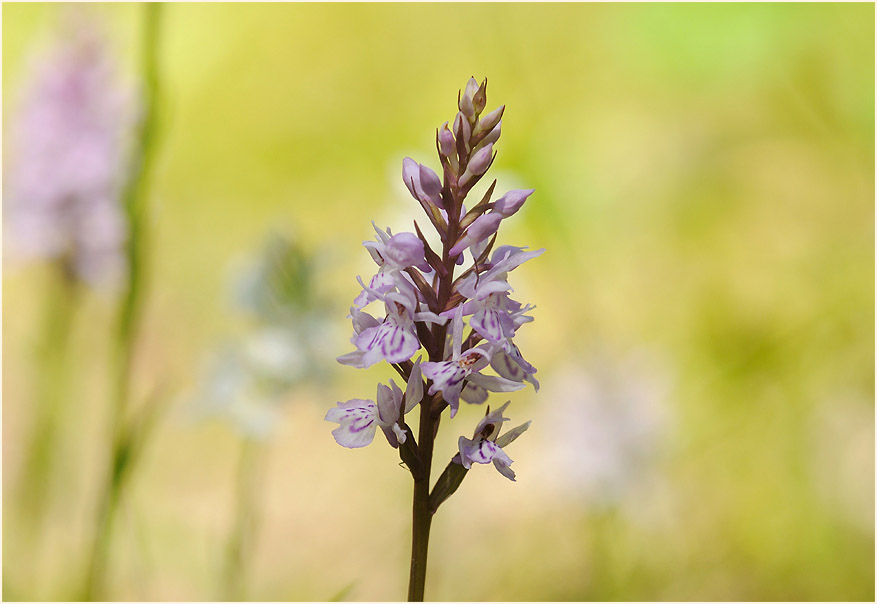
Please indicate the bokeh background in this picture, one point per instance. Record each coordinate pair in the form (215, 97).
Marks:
(704, 328)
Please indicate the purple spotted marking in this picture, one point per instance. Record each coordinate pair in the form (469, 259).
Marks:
(513, 371)
(393, 346)
(355, 428)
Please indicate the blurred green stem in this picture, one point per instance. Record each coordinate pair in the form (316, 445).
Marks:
(54, 371)
(247, 488)
(136, 209)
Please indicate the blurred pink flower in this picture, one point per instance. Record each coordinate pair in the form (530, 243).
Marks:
(69, 159)
(610, 419)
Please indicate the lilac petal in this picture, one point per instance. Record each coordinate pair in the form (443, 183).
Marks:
(501, 462)
(374, 250)
(448, 378)
(515, 354)
(476, 249)
(414, 389)
(362, 320)
(483, 227)
(383, 235)
(467, 285)
(379, 285)
(494, 418)
(352, 359)
(401, 435)
(512, 201)
(508, 437)
(471, 87)
(355, 436)
(474, 395)
(462, 129)
(465, 446)
(389, 342)
(452, 397)
(478, 451)
(369, 342)
(478, 358)
(395, 435)
(506, 367)
(457, 332)
(389, 403)
(430, 182)
(490, 120)
(494, 383)
(486, 288)
(488, 324)
(404, 250)
(426, 316)
(391, 435)
(411, 176)
(362, 299)
(371, 293)
(382, 282)
(508, 258)
(468, 307)
(513, 366)
(481, 160)
(446, 140)
(493, 135)
(358, 422)
(466, 105)
(444, 374)
(405, 296)
(400, 345)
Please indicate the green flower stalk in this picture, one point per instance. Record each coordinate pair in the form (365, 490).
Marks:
(53, 361)
(128, 434)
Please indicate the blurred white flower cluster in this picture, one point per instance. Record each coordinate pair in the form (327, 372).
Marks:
(246, 381)
(68, 158)
(608, 420)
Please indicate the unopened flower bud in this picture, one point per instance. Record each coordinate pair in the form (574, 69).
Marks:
(411, 175)
(483, 227)
(478, 164)
(480, 98)
(481, 160)
(462, 129)
(491, 137)
(404, 250)
(446, 140)
(466, 106)
(491, 119)
(471, 88)
(430, 183)
(421, 182)
(512, 201)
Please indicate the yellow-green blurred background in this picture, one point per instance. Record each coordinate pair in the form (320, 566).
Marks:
(704, 181)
